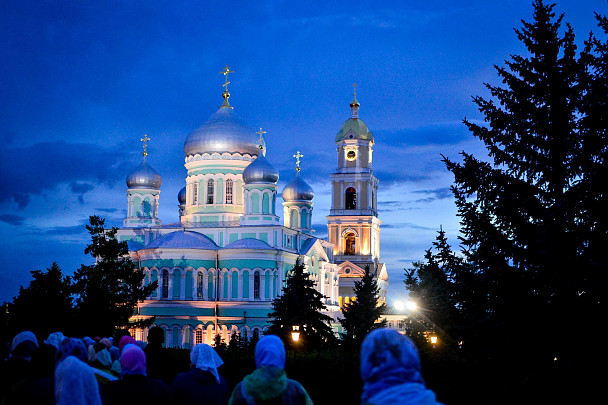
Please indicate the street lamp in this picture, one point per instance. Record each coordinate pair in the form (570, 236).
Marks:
(411, 305)
(295, 334)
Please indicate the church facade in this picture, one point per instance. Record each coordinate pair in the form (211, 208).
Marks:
(219, 268)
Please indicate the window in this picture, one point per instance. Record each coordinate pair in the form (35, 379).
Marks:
(349, 244)
(198, 336)
(350, 199)
(199, 286)
(165, 290)
(195, 193)
(229, 191)
(210, 189)
(256, 285)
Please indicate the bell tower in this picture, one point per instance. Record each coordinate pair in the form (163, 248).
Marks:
(353, 224)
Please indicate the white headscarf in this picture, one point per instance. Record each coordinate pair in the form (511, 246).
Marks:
(205, 358)
(75, 383)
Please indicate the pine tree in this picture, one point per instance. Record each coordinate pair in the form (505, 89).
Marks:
(361, 315)
(45, 306)
(524, 219)
(109, 290)
(300, 305)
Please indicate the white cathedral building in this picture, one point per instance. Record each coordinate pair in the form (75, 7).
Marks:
(219, 268)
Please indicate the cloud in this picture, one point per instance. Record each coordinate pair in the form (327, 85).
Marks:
(52, 163)
(12, 219)
(66, 230)
(400, 225)
(320, 230)
(107, 210)
(434, 194)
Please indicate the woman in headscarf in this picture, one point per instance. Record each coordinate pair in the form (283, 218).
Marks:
(202, 380)
(269, 384)
(390, 370)
(134, 386)
(75, 383)
(17, 367)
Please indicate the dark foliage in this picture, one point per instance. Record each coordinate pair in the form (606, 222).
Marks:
(301, 304)
(109, 290)
(361, 315)
(45, 306)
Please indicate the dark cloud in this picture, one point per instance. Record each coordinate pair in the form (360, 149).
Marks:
(53, 163)
(437, 193)
(406, 225)
(80, 189)
(66, 230)
(12, 219)
(449, 133)
(108, 210)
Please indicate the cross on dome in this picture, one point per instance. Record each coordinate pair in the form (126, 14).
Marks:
(298, 155)
(226, 71)
(145, 140)
(261, 140)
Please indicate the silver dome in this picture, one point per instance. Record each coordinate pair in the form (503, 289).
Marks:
(297, 190)
(223, 132)
(260, 171)
(144, 176)
(181, 196)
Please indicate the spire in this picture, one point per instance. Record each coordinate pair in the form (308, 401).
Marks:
(298, 155)
(261, 141)
(226, 95)
(354, 105)
(145, 140)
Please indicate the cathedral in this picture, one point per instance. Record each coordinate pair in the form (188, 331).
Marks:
(219, 268)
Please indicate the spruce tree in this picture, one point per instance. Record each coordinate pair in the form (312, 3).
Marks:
(361, 315)
(109, 290)
(45, 305)
(525, 221)
(300, 304)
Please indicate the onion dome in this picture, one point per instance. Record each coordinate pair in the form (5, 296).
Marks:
(223, 132)
(354, 127)
(297, 190)
(181, 196)
(144, 176)
(260, 171)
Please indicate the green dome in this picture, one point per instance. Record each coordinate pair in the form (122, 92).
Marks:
(359, 129)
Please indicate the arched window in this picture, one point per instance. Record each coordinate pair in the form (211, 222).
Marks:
(198, 336)
(199, 286)
(350, 199)
(229, 187)
(256, 285)
(210, 189)
(349, 244)
(165, 290)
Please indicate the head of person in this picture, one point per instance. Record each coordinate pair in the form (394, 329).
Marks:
(55, 339)
(156, 335)
(204, 357)
(72, 347)
(102, 355)
(388, 358)
(75, 383)
(23, 345)
(118, 335)
(125, 340)
(270, 352)
(132, 361)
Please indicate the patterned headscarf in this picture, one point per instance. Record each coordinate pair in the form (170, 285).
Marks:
(72, 347)
(75, 383)
(390, 369)
(55, 339)
(132, 361)
(205, 358)
(269, 351)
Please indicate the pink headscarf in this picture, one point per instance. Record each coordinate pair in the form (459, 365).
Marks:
(125, 340)
(132, 361)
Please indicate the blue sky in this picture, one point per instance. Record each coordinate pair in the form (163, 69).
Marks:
(82, 81)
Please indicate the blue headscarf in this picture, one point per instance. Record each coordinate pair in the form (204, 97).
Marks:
(390, 370)
(75, 383)
(25, 351)
(55, 339)
(72, 347)
(269, 351)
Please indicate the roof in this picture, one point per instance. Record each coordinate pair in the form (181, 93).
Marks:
(183, 240)
(248, 243)
(134, 246)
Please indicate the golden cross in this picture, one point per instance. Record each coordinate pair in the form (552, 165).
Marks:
(298, 155)
(261, 140)
(145, 140)
(355, 89)
(226, 72)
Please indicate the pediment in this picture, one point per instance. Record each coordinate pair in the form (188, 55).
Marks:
(350, 269)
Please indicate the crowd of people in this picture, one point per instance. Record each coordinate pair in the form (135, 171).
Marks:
(120, 370)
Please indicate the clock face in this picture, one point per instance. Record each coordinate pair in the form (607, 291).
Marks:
(351, 155)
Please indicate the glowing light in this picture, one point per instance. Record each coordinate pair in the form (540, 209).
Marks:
(433, 339)
(411, 305)
(295, 335)
(399, 306)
